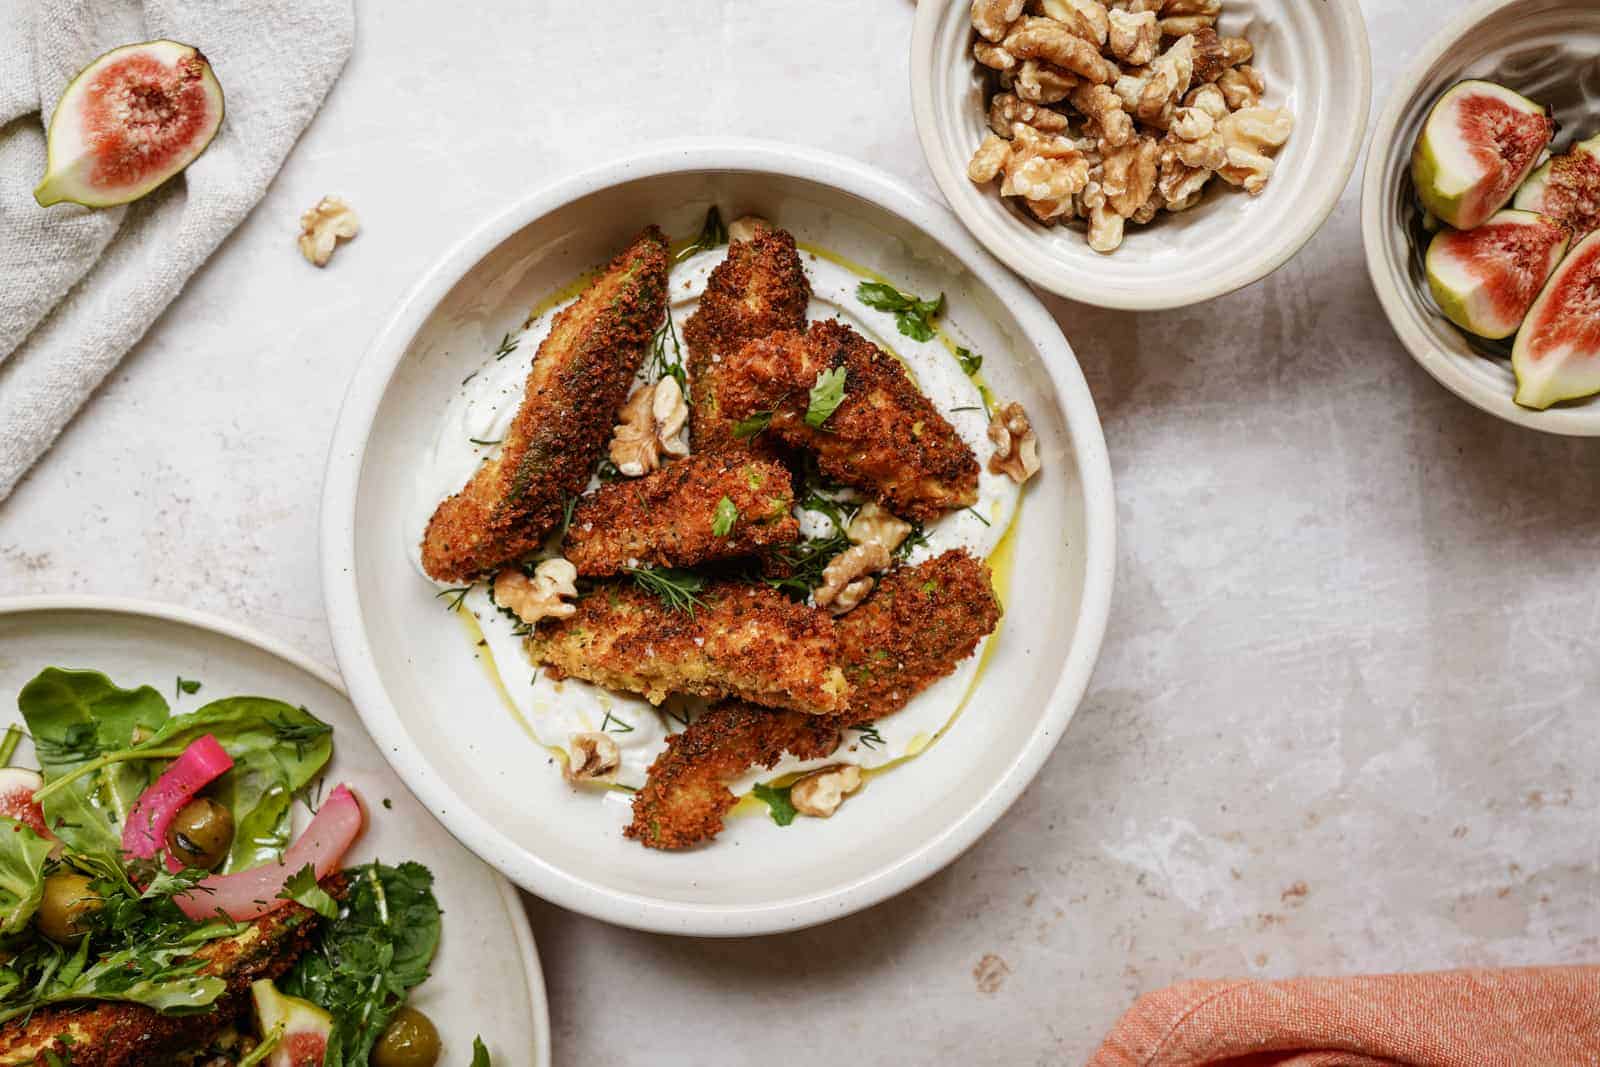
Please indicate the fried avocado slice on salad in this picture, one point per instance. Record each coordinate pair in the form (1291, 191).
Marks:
(758, 289)
(727, 639)
(837, 395)
(685, 795)
(695, 510)
(580, 378)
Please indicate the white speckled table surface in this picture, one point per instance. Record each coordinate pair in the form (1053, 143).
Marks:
(1348, 712)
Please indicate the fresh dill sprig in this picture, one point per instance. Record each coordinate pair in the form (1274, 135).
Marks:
(678, 589)
(712, 235)
(869, 734)
(977, 515)
(622, 726)
(665, 365)
(480, 441)
(506, 346)
(456, 597)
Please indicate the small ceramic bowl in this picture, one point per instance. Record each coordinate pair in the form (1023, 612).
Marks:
(1548, 50)
(1316, 63)
(435, 712)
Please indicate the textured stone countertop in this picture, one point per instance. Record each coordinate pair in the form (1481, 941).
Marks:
(1348, 713)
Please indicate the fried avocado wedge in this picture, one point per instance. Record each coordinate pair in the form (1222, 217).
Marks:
(579, 380)
(758, 289)
(728, 639)
(692, 511)
(839, 396)
(686, 796)
(915, 628)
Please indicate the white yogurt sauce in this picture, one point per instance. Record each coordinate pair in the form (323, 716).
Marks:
(551, 712)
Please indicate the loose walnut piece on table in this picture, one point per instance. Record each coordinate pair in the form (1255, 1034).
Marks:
(1250, 136)
(1016, 448)
(847, 579)
(592, 757)
(324, 226)
(820, 793)
(652, 424)
(543, 596)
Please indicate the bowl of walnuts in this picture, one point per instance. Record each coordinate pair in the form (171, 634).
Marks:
(1141, 154)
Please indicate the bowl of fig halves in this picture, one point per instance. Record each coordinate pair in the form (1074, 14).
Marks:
(1481, 211)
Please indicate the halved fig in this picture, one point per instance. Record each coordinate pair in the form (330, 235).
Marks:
(17, 786)
(1486, 279)
(1557, 352)
(302, 1029)
(129, 121)
(1567, 188)
(1479, 143)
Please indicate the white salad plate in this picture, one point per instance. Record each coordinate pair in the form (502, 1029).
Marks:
(437, 714)
(1548, 50)
(1317, 63)
(486, 977)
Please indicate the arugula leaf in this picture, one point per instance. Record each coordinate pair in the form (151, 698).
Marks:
(722, 522)
(74, 717)
(970, 361)
(480, 1054)
(826, 396)
(912, 316)
(777, 801)
(372, 955)
(302, 888)
(749, 426)
(22, 856)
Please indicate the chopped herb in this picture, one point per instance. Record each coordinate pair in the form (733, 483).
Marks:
(712, 234)
(869, 734)
(826, 396)
(913, 540)
(970, 361)
(607, 472)
(969, 407)
(913, 317)
(665, 365)
(979, 517)
(480, 1054)
(930, 586)
(387, 804)
(507, 346)
(486, 444)
(186, 685)
(751, 425)
(675, 588)
(469, 377)
(622, 727)
(302, 888)
(567, 506)
(456, 597)
(777, 801)
(727, 514)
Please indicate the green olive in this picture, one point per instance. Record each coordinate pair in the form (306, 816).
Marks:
(201, 834)
(65, 907)
(409, 1040)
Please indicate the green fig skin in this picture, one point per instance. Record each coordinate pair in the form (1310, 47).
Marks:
(1475, 274)
(1458, 200)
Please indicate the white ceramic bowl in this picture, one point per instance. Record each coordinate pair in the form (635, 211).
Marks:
(430, 705)
(1317, 64)
(1546, 49)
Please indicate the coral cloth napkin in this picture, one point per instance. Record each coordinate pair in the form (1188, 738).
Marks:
(79, 287)
(1533, 1017)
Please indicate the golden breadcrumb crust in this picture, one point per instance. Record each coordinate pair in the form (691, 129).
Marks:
(685, 795)
(885, 438)
(745, 641)
(580, 378)
(668, 518)
(759, 288)
(918, 624)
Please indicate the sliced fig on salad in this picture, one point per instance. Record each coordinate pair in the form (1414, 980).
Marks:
(297, 1030)
(128, 122)
(1567, 188)
(1479, 143)
(1486, 279)
(1557, 352)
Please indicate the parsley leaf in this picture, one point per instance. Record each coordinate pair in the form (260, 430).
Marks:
(747, 428)
(777, 801)
(913, 316)
(302, 888)
(970, 361)
(826, 396)
(722, 522)
(480, 1054)
(188, 685)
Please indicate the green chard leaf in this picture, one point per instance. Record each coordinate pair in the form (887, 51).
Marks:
(22, 856)
(367, 959)
(777, 801)
(826, 396)
(726, 515)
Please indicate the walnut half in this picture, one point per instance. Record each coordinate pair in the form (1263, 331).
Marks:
(592, 757)
(1016, 449)
(847, 579)
(543, 596)
(820, 793)
(330, 221)
(652, 424)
